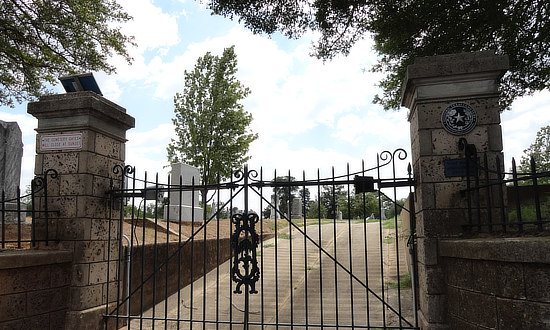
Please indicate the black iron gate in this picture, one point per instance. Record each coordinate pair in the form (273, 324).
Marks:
(286, 252)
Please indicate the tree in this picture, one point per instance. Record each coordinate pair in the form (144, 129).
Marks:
(540, 152)
(284, 195)
(404, 30)
(211, 125)
(330, 197)
(41, 40)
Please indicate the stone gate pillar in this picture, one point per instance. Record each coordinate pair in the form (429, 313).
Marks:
(449, 97)
(82, 136)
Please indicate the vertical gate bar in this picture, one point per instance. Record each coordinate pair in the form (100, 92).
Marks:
(231, 196)
(414, 277)
(155, 255)
(3, 219)
(180, 193)
(18, 218)
(350, 250)
(489, 204)
(191, 262)
(320, 244)
(143, 218)
(291, 271)
(276, 259)
(132, 233)
(33, 215)
(380, 243)
(245, 217)
(397, 241)
(333, 207)
(468, 191)
(204, 215)
(365, 242)
(119, 261)
(108, 250)
(262, 302)
(516, 190)
(167, 257)
(46, 213)
(477, 195)
(500, 187)
(537, 197)
(304, 209)
(218, 250)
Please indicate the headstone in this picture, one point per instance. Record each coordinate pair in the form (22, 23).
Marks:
(382, 214)
(273, 207)
(11, 152)
(297, 208)
(188, 207)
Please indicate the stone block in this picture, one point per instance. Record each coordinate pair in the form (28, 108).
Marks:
(107, 146)
(458, 323)
(101, 186)
(426, 146)
(98, 272)
(100, 229)
(427, 251)
(80, 274)
(32, 322)
(433, 307)
(449, 195)
(92, 207)
(509, 279)
(44, 301)
(459, 273)
(12, 306)
(23, 279)
(60, 275)
(62, 162)
(89, 251)
(425, 196)
(75, 184)
(440, 223)
(521, 314)
(97, 164)
(537, 282)
(476, 308)
(85, 297)
(495, 138)
(432, 279)
(73, 229)
(57, 319)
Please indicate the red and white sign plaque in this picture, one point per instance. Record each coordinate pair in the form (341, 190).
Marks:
(61, 141)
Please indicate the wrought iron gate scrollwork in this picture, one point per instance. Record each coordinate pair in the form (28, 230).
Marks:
(244, 242)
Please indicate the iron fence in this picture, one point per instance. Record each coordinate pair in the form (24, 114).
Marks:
(505, 202)
(295, 267)
(19, 215)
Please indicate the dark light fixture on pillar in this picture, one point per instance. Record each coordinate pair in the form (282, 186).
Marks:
(80, 82)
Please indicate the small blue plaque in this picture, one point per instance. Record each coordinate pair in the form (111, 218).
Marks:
(457, 168)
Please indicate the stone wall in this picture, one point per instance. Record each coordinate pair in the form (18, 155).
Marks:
(498, 283)
(34, 289)
(143, 260)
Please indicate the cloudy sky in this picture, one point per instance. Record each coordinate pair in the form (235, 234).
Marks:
(308, 114)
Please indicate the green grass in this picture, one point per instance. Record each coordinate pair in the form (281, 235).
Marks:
(388, 240)
(311, 268)
(404, 283)
(284, 236)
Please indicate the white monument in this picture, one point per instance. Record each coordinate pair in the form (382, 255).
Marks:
(184, 206)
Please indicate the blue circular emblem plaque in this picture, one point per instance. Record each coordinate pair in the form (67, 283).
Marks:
(459, 118)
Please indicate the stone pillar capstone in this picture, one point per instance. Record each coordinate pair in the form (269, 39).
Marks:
(82, 136)
(449, 97)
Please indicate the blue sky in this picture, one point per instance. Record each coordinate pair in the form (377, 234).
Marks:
(308, 114)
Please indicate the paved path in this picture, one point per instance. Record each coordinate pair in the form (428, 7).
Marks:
(318, 291)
